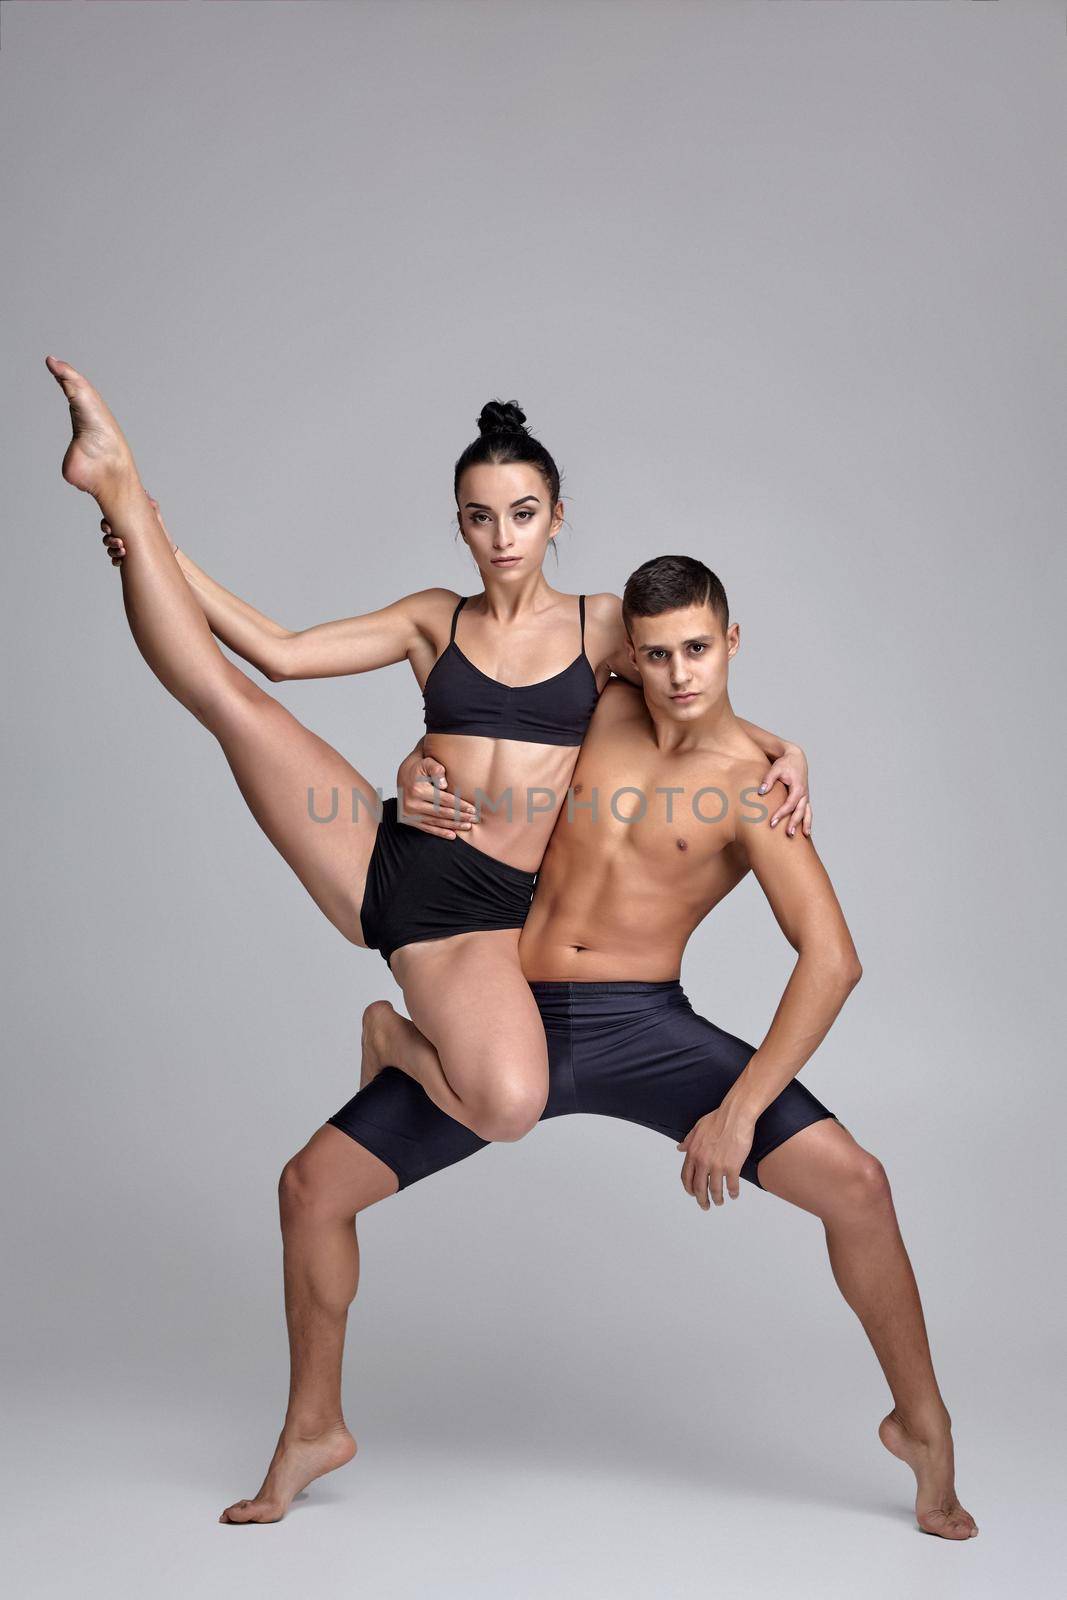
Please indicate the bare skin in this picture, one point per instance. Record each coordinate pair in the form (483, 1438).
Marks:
(488, 1072)
(820, 1169)
(617, 901)
(488, 1069)
(838, 1182)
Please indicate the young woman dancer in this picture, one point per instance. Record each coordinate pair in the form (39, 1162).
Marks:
(445, 913)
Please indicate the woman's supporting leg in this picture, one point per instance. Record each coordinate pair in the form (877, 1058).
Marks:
(823, 1170)
(283, 769)
(322, 1189)
(475, 1042)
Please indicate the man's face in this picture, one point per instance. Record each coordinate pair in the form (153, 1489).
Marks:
(683, 658)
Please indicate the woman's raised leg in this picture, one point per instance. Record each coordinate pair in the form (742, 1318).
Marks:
(287, 774)
(475, 1042)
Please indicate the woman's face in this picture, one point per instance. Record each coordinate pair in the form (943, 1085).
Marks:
(506, 518)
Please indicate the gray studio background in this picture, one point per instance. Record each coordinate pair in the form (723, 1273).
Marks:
(777, 286)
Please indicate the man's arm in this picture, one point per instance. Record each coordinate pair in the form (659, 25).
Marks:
(827, 970)
(425, 801)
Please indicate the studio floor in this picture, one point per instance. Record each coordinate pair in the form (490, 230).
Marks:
(123, 1496)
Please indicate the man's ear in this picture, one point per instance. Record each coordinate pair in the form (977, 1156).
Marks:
(733, 640)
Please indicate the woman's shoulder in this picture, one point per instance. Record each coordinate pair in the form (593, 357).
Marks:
(604, 607)
(430, 609)
(603, 613)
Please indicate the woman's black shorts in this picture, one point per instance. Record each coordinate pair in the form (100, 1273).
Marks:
(633, 1050)
(420, 886)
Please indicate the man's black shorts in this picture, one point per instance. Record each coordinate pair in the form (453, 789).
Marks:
(633, 1050)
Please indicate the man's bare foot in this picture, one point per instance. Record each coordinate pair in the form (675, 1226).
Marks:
(929, 1455)
(296, 1462)
(98, 457)
(378, 1021)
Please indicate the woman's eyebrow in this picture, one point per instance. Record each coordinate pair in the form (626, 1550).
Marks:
(476, 505)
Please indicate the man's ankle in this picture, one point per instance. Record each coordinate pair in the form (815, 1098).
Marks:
(925, 1422)
(312, 1424)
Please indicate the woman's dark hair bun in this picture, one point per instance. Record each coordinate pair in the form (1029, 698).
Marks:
(503, 437)
(502, 416)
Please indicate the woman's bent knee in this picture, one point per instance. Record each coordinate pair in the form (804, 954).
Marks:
(508, 1111)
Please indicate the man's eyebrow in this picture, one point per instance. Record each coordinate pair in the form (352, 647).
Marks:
(699, 638)
(476, 505)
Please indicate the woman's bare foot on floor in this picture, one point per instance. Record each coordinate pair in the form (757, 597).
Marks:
(928, 1452)
(98, 457)
(378, 1022)
(297, 1461)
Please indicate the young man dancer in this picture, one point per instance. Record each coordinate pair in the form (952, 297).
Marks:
(661, 822)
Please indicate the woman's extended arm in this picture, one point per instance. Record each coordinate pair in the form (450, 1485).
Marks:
(328, 649)
(249, 634)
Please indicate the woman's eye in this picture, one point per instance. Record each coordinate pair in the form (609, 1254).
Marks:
(524, 513)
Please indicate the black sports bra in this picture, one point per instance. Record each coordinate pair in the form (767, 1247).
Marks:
(460, 698)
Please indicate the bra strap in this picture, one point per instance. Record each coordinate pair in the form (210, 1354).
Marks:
(581, 616)
(455, 614)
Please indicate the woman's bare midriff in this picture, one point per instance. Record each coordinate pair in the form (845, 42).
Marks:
(517, 787)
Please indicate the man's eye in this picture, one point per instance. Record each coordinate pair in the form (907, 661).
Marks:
(697, 647)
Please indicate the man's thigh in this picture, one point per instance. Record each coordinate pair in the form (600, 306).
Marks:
(335, 1176)
(669, 1066)
(395, 1120)
(662, 1067)
(824, 1170)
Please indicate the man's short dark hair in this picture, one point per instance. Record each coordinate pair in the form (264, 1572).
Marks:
(671, 583)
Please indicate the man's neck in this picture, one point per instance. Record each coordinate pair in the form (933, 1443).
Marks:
(718, 729)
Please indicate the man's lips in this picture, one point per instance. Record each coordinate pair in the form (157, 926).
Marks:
(686, 694)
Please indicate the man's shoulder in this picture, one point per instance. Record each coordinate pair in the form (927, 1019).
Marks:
(747, 768)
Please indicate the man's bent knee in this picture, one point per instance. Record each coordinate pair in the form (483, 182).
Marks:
(298, 1191)
(305, 1193)
(863, 1182)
